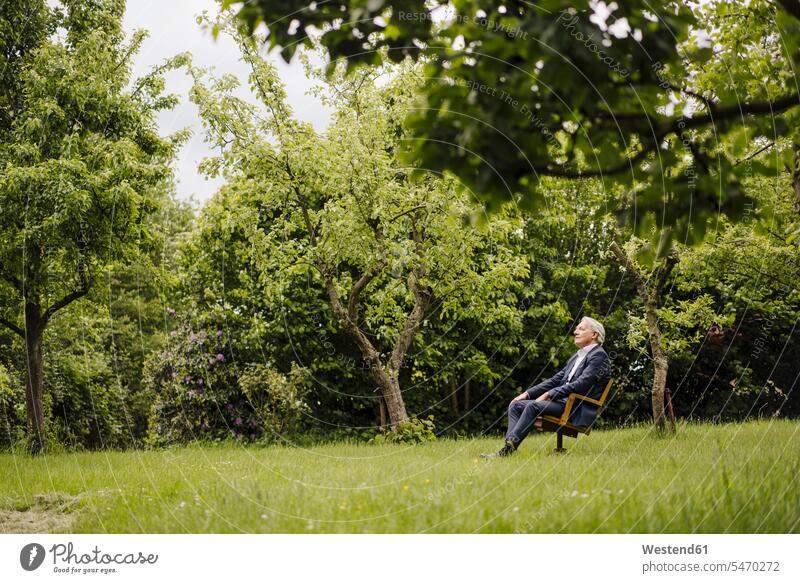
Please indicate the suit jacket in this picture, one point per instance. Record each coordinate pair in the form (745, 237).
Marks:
(590, 379)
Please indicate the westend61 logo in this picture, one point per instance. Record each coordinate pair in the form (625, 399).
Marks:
(67, 560)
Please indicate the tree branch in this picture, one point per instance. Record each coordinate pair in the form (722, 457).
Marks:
(355, 293)
(422, 296)
(754, 154)
(404, 213)
(664, 273)
(78, 293)
(13, 327)
(674, 125)
(638, 278)
(10, 278)
(681, 123)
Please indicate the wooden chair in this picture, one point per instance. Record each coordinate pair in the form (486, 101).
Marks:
(561, 425)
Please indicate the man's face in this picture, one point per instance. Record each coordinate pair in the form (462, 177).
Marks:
(583, 335)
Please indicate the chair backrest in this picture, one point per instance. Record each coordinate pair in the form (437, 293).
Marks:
(606, 391)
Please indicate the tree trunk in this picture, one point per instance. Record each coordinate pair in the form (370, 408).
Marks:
(660, 365)
(387, 381)
(34, 393)
(390, 389)
(454, 396)
(382, 411)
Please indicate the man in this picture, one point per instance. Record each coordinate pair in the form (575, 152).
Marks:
(586, 373)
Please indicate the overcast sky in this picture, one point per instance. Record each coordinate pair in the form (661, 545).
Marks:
(173, 29)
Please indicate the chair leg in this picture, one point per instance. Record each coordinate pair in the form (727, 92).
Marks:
(559, 443)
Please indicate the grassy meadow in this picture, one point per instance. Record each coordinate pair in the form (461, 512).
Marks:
(737, 478)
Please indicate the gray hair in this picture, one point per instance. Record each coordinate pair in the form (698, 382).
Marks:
(595, 326)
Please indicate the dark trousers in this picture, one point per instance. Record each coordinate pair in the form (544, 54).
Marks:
(522, 414)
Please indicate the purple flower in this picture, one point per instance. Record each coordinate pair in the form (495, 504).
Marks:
(229, 407)
(187, 378)
(220, 357)
(237, 421)
(170, 311)
(211, 361)
(191, 394)
(219, 333)
(192, 337)
(200, 381)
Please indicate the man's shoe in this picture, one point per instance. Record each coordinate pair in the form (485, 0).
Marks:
(505, 451)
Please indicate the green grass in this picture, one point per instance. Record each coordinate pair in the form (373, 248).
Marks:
(740, 478)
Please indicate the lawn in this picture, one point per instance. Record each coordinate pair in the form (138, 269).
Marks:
(740, 478)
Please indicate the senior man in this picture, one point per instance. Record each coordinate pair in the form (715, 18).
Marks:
(586, 373)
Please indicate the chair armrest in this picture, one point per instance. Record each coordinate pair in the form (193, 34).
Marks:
(571, 401)
(568, 409)
(588, 399)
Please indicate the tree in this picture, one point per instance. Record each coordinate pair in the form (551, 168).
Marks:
(82, 163)
(644, 100)
(750, 269)
(667, 322)
(650, 288)
(339, 210)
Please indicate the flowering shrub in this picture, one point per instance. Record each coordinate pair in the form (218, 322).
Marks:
(197, 393)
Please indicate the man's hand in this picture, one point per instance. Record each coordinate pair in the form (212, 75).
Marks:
(543, 397)
(521, 397)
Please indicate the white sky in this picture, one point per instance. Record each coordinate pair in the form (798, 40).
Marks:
(173, 29)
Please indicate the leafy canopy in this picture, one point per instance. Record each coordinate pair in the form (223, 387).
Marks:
(664, 106)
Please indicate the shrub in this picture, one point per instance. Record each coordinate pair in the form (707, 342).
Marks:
(412, 430)
(12, 409)
(84, 401)
(278, 399)
(197, 392)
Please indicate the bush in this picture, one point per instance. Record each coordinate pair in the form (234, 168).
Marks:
(84, 401)
(197, 392)
(12, 409)
(412, 430)
(278, 399)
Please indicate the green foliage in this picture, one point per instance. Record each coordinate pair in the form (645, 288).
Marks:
(83, 158)
(200, 391)
(304, 216)
(664, 103)
(413, 430)
(278, 399)
(86, 404)
(339, 213)
(83, 171)
(195, 391)
(750, 270)
(12, 408)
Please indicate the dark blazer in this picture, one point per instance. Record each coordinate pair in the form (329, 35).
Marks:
(590, 379)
